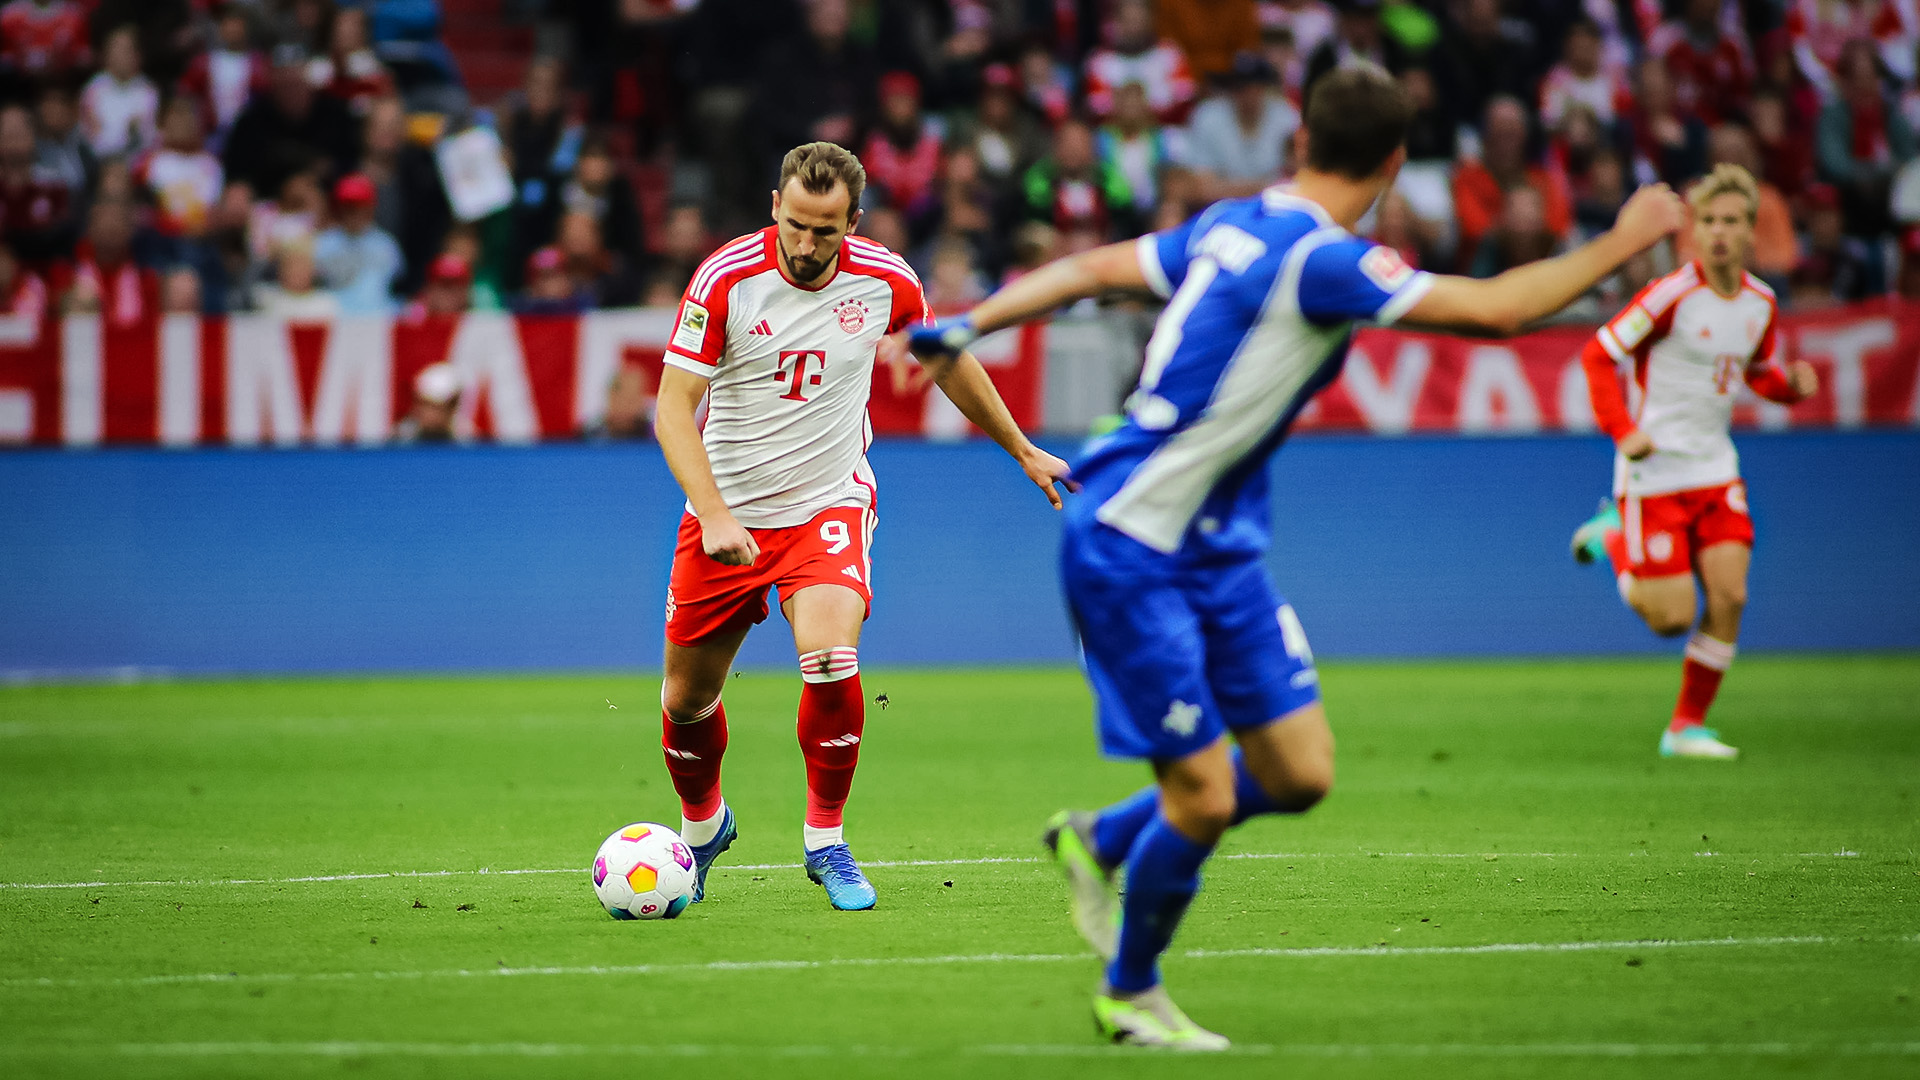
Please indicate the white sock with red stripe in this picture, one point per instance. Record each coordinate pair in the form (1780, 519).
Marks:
(833, 716)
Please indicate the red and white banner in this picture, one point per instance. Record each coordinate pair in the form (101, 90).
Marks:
(251, 380)
(1868, 356)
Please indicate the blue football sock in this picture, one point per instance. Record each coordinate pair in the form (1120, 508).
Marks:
(1163, 873)
(1249, 798)
(1119, 825)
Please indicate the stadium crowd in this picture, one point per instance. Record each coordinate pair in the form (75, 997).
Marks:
(287, 155)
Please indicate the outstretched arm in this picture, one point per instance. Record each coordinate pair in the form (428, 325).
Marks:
(967, 384)
(1504, 305)
(1113, 268)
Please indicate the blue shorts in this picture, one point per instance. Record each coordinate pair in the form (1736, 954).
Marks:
(1179, 655)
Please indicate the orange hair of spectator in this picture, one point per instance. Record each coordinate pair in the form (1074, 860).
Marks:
(1726, 179)
(821, 165)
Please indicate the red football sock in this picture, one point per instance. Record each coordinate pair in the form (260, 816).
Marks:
(693, 752)
(1707, 661)
(833, 714)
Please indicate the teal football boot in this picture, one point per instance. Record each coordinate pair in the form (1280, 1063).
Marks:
(1590, 539)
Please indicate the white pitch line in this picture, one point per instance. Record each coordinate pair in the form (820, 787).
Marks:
(602, 970)
(997, 860)
(352, 1049)
(1504, 1050)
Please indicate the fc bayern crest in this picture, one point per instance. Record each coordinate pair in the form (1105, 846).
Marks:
(852, 314)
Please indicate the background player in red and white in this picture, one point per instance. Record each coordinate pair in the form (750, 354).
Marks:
(1679, 508)
(779, 331)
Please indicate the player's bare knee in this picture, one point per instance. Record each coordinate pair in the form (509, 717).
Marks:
(685, 703)
(1314, 783)
(1205, 814)
(1667, 621)
(1728, 599)
(1201, 807)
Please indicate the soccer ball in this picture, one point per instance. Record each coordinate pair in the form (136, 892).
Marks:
(644, 871)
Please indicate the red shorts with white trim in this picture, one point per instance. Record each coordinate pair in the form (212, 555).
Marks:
(706, 597)
(1663, 533)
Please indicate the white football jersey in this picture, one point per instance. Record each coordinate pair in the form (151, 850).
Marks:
(1688, 350)
(789, 371)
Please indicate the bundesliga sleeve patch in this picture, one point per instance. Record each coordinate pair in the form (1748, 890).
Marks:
(1385, 268)
(691, 334)
(1631, 327)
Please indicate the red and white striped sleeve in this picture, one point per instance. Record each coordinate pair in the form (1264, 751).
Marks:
(699, 338)
(1648, 317)
(1765, 374)
(910, 305)
(1625, 341)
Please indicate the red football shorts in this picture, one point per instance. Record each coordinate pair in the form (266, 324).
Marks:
(705, 597)
(1664, 532)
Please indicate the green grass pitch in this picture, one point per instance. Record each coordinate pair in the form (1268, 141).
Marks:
(1505, 882)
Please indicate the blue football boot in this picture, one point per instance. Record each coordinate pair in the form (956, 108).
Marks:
(833, 867)
(704, 855)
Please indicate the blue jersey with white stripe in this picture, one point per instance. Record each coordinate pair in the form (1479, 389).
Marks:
(1262, 294)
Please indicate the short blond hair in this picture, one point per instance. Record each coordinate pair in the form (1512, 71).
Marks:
(820, 165)
(1725, 179)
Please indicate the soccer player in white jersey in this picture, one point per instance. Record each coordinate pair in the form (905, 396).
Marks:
(778, 331)
(1187, 644)
(1679, 510)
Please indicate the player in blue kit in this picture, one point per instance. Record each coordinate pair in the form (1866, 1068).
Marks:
(1184, 637)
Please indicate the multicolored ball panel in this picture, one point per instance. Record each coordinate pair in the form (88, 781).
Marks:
(644, 879)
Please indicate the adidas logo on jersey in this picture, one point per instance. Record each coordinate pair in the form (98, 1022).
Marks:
(851, 572)
(761, 329)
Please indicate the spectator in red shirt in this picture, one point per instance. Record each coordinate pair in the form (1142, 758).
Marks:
(103, 276)
(1712, 69)
(350, 72)
(1480, 187)
(1139, 55)
(903, 154)
(36, 207)
(1819, 31)
(222, 79)
(43, 38)
(1862, 140)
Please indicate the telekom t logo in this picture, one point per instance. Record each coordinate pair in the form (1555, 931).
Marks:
(798, 374)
